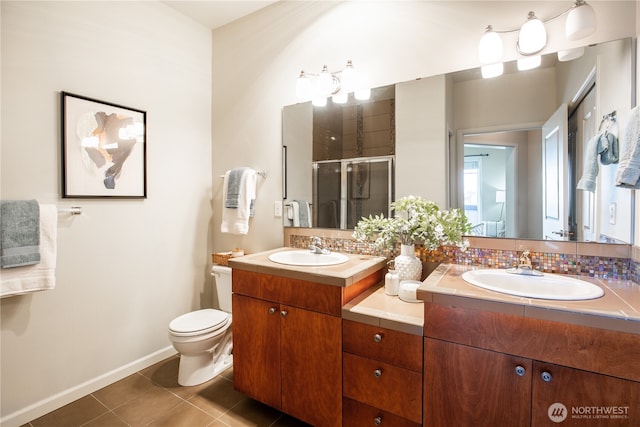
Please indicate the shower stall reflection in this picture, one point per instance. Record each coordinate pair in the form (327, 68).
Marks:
(346, 190)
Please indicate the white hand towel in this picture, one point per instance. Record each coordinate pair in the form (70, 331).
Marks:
(38, 277)
(236, 220)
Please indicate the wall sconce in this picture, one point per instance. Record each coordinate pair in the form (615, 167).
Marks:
(532, 38)
(338, 85)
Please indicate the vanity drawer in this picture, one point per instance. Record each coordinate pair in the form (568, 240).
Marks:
(390, 388)
(386, 345)
(356, 414)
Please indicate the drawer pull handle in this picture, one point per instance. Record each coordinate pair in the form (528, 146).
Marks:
(377, 420)
(272, 310)
(546, 376)
(377, 373)
(283, 313)
(377, 337)
(520, 371)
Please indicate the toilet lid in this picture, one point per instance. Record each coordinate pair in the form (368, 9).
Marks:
(199, 321)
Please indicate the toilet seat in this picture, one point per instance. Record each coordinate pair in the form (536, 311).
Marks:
(199, 322)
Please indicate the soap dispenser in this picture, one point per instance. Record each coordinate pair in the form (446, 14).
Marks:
(391, 280)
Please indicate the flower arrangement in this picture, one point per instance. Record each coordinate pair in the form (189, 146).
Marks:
(416, 221)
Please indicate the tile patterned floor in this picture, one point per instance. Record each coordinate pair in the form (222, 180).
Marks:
(152, 397)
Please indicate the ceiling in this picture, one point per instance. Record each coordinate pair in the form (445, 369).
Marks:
(216, 13)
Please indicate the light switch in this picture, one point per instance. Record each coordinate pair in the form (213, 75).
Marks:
(277, 208)
(612, 213)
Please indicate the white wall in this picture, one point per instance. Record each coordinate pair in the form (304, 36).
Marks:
(257, 59)
(125, 267)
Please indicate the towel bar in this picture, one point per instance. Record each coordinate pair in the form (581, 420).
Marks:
(261, 173)
(73, 210)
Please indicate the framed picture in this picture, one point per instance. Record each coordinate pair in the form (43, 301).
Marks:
(103, 149)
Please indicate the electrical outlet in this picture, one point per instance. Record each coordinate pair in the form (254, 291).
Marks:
(277, 208)
(612, 213)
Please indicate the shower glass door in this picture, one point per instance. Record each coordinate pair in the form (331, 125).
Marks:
(347, 190)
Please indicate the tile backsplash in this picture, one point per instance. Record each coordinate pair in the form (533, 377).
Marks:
(603, 261)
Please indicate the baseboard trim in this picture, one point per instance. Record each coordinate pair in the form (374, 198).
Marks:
(65, 397)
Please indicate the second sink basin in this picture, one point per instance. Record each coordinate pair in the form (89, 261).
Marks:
(307, 258)
(548, 286)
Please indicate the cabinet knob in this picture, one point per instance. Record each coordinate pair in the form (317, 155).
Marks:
(377, 373)
(272, 310)
(546, 376)
(520, 371)
(283, 313)
(377, 420)
(377, 337)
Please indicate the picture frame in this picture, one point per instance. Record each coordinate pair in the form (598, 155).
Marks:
(103, 149)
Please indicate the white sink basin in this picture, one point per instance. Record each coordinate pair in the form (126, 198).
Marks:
(547, 286)
(308, 258)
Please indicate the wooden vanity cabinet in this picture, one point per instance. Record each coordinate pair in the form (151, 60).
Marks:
(287, 343)
(492, 369)
(382, 376)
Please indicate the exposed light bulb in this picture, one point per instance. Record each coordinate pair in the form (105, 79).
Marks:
(529, 62)
(492, 70)
(319, 101)
(340, 97)
(362, 94)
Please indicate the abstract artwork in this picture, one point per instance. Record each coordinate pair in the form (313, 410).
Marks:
(103, 149)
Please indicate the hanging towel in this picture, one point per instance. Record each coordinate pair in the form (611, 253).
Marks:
(37, 277)
(238, 199)
(301, 213)
(233, 180)
(19, 233)
(628, 173)
(603, 146)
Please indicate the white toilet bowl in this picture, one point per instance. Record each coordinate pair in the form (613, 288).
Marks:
(203, 337)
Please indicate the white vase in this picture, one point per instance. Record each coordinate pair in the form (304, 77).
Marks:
(407, 264)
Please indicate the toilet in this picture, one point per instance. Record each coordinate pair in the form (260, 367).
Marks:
(203, 337)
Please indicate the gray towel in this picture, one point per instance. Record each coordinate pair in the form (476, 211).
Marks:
(303, 213)
(628, 173)
(233, 187)
(603, 145)
(19, 233)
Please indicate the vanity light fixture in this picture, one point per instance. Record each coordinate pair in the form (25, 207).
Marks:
(532, 39)
(490, 53)
(581, 21)
(338, 85)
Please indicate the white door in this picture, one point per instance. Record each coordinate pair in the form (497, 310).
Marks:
(555, 205)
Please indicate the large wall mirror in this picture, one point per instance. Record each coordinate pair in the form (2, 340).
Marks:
(510, 150)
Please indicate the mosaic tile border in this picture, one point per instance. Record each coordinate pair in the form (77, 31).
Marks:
(601, 267)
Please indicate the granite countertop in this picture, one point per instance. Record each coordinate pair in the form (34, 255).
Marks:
(618, 309)
(358, 267)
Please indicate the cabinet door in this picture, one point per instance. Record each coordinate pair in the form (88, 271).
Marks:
(311, 366)
(574, 397)
(256, 349)
(467, 386)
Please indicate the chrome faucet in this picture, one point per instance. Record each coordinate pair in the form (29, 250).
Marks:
(316, 246)
(524, 267)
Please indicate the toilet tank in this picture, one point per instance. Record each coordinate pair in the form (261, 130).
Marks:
(222, 286)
